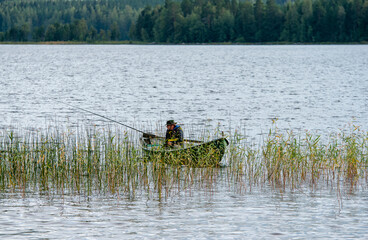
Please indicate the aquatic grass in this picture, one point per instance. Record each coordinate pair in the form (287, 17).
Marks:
(284, 159)
(292, 160)
(109, 160)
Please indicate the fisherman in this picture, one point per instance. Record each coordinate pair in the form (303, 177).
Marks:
(174, 134)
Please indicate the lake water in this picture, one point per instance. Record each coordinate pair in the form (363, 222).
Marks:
(317, 88)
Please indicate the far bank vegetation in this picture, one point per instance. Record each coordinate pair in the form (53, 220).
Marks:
(186, 21)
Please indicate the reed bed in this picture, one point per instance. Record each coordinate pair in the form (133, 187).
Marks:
(89, 161)
(289, 160)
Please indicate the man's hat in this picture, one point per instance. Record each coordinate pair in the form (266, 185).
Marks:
(170, 122)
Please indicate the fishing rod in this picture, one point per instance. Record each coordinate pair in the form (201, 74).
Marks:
(147, 135)
(112, 120)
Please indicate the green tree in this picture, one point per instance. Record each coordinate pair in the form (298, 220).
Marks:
(208, 16)
(167, 27)
(319, 21)
(291, 30)
(193, 30)
(186, 7)
(341, 14)
(259, 16)
(115, 31)
(306, 29)
(92, 34)
(102, 35)
(272, 21)
(365, 21)
(224, 27)
(144, 24)
(245, 23)
(50, 33)
(79, 30)
(354, 19)
(38, 33)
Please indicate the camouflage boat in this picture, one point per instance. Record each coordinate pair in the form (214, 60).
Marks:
(196, 153)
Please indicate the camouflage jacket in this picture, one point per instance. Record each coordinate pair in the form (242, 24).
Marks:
(175, 136)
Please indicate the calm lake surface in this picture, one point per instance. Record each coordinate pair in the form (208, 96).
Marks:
(316, 88)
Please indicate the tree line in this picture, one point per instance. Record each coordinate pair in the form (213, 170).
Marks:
(185, 21)
(69, 20)
(199, 21)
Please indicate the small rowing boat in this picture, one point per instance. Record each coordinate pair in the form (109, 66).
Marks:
(196, 154)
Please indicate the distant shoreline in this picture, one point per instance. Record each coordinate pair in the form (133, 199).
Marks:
(127, 42)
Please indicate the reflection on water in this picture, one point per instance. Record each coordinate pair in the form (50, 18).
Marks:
(260, 213)
(316, 88)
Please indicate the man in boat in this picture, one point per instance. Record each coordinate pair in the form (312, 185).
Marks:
(174, 134)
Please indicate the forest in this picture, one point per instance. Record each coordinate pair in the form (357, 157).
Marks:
(69, 20)
(306, 21)
(185, 21)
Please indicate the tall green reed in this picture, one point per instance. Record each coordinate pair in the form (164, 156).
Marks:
(109, 161)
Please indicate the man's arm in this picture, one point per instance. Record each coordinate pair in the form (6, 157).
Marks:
(180, 136)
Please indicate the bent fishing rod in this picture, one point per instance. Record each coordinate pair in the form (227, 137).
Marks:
(112, 120)
(149, 135)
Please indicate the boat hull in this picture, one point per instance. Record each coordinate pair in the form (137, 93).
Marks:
(202, 155)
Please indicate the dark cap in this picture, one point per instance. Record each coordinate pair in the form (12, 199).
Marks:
(170, 122)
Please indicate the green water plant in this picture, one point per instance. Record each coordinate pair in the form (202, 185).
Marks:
(87, 161)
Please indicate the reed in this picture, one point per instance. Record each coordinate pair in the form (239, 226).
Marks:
(291, 160)
(87, 161)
